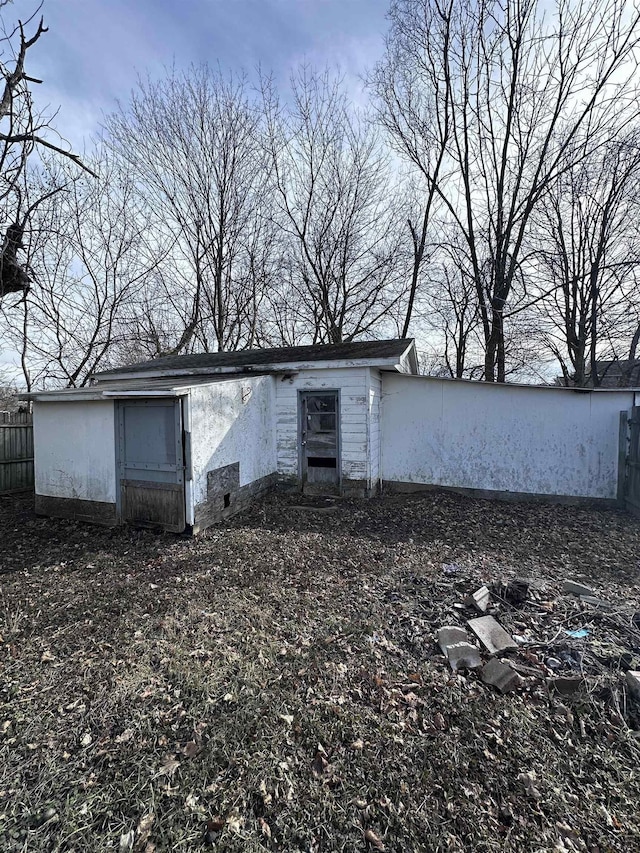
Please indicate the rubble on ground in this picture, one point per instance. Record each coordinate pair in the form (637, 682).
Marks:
(543, 647)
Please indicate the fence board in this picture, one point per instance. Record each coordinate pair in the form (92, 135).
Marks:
(633, 462)
(16, 451)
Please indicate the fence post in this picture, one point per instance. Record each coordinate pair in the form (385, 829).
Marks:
(623, 439)
(632, 482)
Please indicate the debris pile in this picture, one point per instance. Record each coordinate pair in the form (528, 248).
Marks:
(571, 640)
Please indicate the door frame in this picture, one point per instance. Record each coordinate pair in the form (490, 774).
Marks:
(181, 454)
(302, 392)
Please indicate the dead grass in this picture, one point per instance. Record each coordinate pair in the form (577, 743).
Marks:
(275, 684)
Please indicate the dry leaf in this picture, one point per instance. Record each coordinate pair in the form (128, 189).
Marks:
(234, 823)
(126, 735)
(126, 841)
(373, 840)
(320, 764)
(264, 827)
(191, 749)
(169, 766)
(266, 796)
(193, 804)
(143, 829)
(216, 824)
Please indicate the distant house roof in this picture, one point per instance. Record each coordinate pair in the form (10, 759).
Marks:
(398, 353)
(619, 373)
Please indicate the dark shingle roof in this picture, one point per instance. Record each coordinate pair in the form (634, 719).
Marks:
(622, 373)
(255, 358)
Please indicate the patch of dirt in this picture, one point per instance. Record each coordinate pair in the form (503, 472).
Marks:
(274, 684)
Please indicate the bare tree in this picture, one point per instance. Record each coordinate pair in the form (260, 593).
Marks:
(417, 119)
(454, 315)
(23, 134)
(518, 93)
(335, 209)
(590, 258)
(192, 143)
(89, 253)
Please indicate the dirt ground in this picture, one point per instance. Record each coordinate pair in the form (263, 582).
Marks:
(275, 684)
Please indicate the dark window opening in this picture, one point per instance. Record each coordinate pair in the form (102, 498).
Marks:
(321, 462)
(319, 403)
(227, 500)
(321, 423)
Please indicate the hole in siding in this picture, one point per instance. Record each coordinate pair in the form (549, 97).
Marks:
(227, 500)
(321, 462)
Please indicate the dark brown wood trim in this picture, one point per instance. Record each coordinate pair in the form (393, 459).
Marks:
(96, 512)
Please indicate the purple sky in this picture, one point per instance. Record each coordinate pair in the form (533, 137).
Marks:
(95, 48)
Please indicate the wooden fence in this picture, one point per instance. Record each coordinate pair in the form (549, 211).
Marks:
(16, 451)
(633, 463)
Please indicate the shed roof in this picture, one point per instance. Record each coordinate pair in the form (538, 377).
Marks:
(385, 352)
(134, 386)
(619, 373)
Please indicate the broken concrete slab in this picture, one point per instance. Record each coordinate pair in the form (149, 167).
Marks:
(460, 653)
(448, 635)
(576, 588)
(500, 675)
(633, 683)
(565, 685)
(480, 599)
(463, 656)
(491, 634)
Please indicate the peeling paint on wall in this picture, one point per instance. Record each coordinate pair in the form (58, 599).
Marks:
(75, 451)
(542, 441)
(228, 426)
(353, 386)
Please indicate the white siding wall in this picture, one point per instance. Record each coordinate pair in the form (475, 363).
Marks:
(512, 439)
(232, 421)
(353, 384)
(375, 394)
(75, 450)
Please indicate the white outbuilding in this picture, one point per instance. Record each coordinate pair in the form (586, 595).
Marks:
(184, 441)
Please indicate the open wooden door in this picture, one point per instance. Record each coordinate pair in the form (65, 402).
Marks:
(151, 463)
(319, 442)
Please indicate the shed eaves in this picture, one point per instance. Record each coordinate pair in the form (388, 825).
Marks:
(261, 357)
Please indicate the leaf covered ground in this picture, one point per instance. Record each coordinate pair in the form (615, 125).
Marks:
(274, 684)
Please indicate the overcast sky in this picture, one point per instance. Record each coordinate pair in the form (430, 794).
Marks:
(95, 48)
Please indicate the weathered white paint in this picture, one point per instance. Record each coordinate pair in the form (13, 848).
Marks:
(353, 387)
(535, 440)
(75, 450)
(231, 421)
